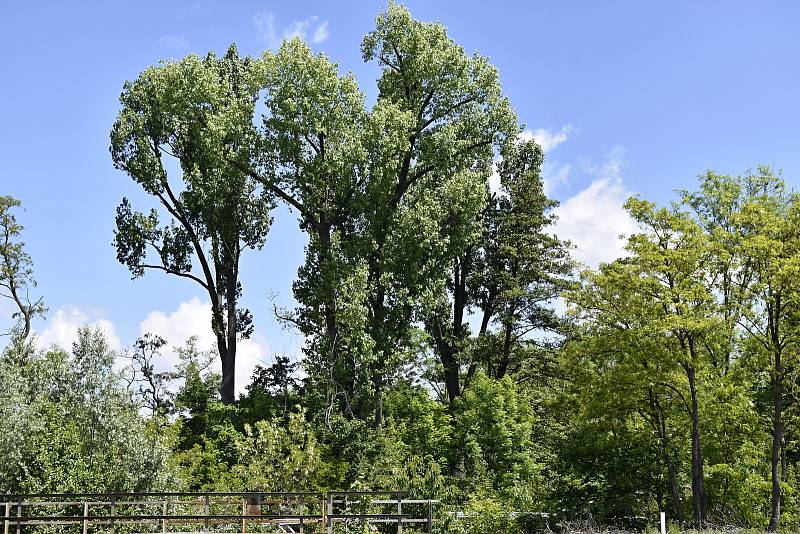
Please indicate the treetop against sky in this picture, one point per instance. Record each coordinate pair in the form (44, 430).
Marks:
(641, 102)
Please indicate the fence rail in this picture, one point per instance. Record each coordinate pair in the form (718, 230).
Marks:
(241, 512)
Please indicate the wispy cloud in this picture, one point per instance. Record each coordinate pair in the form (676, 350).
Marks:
(321, 33)
(266, 24)
(174, 41)
(554, 175)
(188, 10)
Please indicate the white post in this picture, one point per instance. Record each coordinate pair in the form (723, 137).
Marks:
(663, 523)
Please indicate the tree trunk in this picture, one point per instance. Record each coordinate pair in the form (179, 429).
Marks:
(331, 323)
(661, 428)
(677, 503)
(505, 356)
(777, 442)
(378, 384)
(227, 390)
(226, 331)
(699, 497)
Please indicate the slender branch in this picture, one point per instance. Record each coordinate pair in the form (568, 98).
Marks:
(176, 273)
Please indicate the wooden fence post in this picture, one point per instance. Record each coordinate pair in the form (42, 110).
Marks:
(7, 522)
(302, 511)
(206, 510)
(85, 517)
(430, 516)
(399, 497)
(329, 519)
(164, 516)
(244, 513)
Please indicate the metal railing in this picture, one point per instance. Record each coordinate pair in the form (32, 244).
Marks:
(241, 512)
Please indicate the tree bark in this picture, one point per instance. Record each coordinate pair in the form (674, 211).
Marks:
(699, 496)
(226, 345)
(378, 385)
(777, 442)
(661, 429)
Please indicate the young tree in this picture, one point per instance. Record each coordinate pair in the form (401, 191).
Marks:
(199, 114)
(663, 288)
(153, 387)
(771, 244)
(16, 269)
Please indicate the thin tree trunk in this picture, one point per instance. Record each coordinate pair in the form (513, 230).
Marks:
(677, 502)
(378, 384)
(777, 441)
(505, 356)
(699, 496)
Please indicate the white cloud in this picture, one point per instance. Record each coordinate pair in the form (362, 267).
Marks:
(176, 42)
(193, 318)
(62, 329)
(593, 219)
(548, 139)
(265, 23)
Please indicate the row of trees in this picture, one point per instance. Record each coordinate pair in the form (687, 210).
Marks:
(393, 199)
(705, 305)
(435, 360)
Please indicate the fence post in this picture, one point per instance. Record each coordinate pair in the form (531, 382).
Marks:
(85, 517)
(244, 513)
(164, 516)
(19, 515)
(206, 509)
(7, 522)
(399, 497)
(302, 511)
(430, 516)
(113, 512)
(329, 521)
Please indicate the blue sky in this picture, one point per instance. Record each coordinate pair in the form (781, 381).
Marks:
(627, 97)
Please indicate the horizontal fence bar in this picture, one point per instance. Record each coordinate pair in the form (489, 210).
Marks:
(16, 496)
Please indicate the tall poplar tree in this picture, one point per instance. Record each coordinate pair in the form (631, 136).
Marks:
(184, 133)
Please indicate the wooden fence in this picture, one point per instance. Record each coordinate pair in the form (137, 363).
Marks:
(245, 513)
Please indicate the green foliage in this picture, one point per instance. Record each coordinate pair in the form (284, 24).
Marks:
(198, 113)
(495, 429)
(69, 424)
(16, 272)
(670, 385)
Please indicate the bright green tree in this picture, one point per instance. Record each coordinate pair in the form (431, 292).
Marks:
(770, 219)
